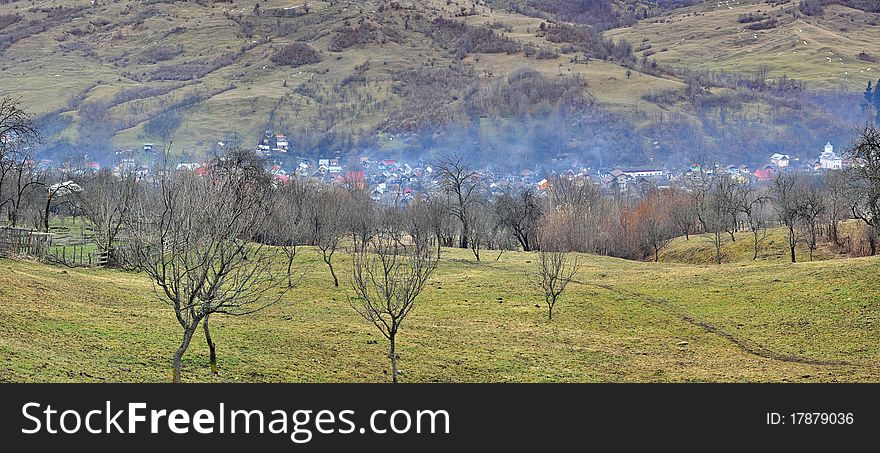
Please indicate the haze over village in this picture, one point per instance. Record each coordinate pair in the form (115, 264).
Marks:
(397, 180)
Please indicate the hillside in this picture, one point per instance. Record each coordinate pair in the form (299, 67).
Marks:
(835, 49)
(477, 322)
(339, 77)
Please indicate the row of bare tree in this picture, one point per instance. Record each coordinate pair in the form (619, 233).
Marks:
(212, 243)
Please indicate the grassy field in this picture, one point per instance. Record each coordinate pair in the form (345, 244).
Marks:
(773, 246)
(823, 51)
(621, 321)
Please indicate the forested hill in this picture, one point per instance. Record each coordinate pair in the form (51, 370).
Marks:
(627, 81)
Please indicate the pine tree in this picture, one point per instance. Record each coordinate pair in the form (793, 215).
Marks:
(877, 102)
(869, 97)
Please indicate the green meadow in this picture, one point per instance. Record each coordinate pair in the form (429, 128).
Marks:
(620, 321)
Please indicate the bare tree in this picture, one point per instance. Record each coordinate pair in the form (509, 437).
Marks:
(460, 182)
(105, 200)
(577, 206)
(812, 207)
(713, 198)
(17, 132)
(16, 125)
(786, 190)
(556, 265)
(417, 223)
(327, 224)
(362, 217)
(54, 192)
(837, 201)
(23, 181)
(387, 278)
(653, 222)
(683, 214)
(196, 240)
(481, 224)
(753, 205)
(519, 214)
(437, 218)
(864, 177)
(287, 224)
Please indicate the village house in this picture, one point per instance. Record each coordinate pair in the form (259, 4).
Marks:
(780, 160)
(281, 143)
(643, 173)
(765, 174)
(543, 184)
(188, 166)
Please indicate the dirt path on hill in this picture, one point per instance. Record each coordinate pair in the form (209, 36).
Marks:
(743, 343)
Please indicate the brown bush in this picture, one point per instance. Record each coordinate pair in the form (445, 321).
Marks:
(296, 54)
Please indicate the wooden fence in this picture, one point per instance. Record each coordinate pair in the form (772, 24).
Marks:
(62, 246)
(23, 242)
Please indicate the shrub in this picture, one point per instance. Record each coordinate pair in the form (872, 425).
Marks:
(546, 54)
(296, 54)
(750, 17)
(764, 25)
(864, 56)
(463, 39)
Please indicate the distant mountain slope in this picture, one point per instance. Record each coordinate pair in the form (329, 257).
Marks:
(840, 47)
(529, 79)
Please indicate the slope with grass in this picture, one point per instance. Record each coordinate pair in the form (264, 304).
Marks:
(837, 49)
(621, 321)
(772, 246)
(118, 74)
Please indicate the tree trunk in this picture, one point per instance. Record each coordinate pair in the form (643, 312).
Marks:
(791, 243)
(333, 273)
(329, 262)
(289, 272)
(211, 347)
(48, 208)
(393, 355)
(184, 344)
(755, 256)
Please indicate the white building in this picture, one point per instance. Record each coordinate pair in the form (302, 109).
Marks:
(780, 160)
(829, 160)
(643, 173)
